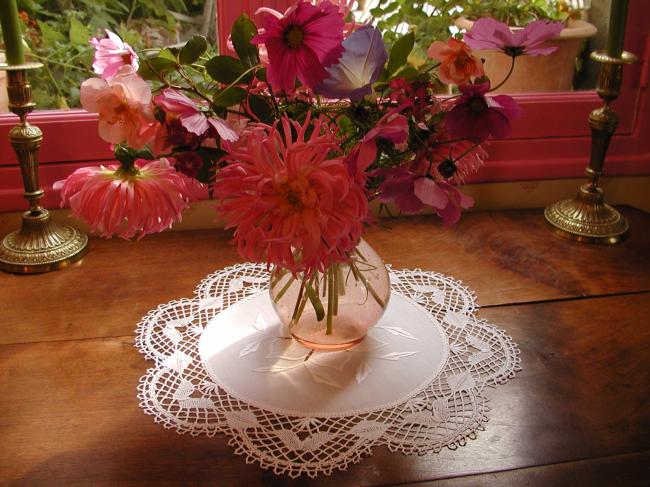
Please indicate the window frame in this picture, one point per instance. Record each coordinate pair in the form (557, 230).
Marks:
(550, 141)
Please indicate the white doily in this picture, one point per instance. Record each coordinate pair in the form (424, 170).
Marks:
(223, 364)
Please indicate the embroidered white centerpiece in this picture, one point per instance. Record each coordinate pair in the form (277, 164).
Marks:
(415, 384)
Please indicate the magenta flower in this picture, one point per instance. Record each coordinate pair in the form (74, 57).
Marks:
(111, 53)
(411, 192)
(301, 43)
(477, 117)
(114, 201)
(359, 66)
(487, 33)
(192, 115)
(392, 126)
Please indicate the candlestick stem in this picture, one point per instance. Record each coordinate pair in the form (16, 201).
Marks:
(41, 245)
(587, 218)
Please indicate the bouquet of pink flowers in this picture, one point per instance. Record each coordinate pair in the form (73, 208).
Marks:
(296, 134)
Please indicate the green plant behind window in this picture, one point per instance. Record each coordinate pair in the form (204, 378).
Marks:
(57, 34)
(431, 19)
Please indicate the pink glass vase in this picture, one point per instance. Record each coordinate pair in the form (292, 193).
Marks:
(333, 310)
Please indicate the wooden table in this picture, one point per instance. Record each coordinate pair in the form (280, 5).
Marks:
(578, 413)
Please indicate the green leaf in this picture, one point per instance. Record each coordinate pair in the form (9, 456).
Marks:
(226, 69)
(400, 52)
(79, 33)
(243, 30)
(49, 34)
(193, 50)
(168, 54)
(260, 108)
(229, 97)
(151, 68)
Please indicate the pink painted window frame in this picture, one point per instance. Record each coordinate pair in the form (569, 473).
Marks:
(550, 141)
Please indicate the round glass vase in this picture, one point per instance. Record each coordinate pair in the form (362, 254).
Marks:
(333, 310)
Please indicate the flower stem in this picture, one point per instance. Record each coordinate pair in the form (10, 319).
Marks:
(330, 301)
(359, 275)
(512, 67)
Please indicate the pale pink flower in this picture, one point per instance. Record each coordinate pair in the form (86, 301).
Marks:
(192, 115)
(111, 53)
(123, 103)
(113, 201)
(488, 33)
(290, 198)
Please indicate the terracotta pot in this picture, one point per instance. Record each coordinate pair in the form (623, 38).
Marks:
(538, 73)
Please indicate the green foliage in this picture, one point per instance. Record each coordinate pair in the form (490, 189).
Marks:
(242, 32)
(57, 34)
(400, 52)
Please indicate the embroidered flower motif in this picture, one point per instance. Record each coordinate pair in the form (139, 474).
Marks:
(301, 43)
(488, 33)
(111, 53)
(457, 63)
(148, 199)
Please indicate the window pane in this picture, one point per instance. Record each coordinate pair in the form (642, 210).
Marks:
(57, 33)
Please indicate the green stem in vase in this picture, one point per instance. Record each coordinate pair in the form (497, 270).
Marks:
(285, 288)
(330, 300)
(278, 274)
(359, 275)
(335, 287)
(295, 316)
(315, 301)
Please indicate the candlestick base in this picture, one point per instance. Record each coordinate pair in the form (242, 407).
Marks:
(587, 218)
(41, 245)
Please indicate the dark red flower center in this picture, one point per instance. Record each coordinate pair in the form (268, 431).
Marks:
(477, 105)
(294, 36)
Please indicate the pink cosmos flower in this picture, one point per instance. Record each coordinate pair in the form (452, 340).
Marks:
(192, 115)
(111, 53)
(113, 201)
(123, 103)
(457, 63)
(301, 43)
(488, 33)
(392, 127)
(478, 117)
(288, 192)
(411, 192)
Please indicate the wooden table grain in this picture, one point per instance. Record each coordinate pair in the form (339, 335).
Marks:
(578, 413)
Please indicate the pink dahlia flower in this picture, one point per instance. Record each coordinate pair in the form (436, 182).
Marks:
(114, 201)
(477, 117)
(111, 53)
(123, 103)
(457, 63)
(192, 115)
(488, 33)
(301, 43)
(290, 198)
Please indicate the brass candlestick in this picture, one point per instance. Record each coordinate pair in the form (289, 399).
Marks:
(587, 218)
(41, 245)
